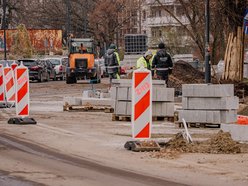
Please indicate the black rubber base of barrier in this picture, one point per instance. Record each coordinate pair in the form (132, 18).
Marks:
(22, 121)
(139, 146)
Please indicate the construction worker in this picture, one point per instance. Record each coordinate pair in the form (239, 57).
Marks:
(112, 62)
(145, 60)
(82, 49)
(162, 63)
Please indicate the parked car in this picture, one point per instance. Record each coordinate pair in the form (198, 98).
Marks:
(49, 67)
(37, 70)
(59, 64)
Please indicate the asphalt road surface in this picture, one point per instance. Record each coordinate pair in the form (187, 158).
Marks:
(79, 171)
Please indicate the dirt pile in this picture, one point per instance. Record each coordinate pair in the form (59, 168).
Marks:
(221, 143)
(184, 73)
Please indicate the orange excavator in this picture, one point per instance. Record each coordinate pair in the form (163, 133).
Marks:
(81, 64)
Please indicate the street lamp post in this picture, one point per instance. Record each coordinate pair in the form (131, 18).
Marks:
(68, 18)
(207, 48)
(4, 29)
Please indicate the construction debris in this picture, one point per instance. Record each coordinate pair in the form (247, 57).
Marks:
(220, 143)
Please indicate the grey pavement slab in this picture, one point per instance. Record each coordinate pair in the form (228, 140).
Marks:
(207, 90)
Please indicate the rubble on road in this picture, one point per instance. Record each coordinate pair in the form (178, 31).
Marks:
(220, 143)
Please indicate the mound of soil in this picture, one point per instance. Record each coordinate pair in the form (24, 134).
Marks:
(184, 73)
(221, 143)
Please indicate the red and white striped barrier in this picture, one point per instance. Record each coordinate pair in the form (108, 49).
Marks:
(2, 95)
(13, 66)
(9, 84)
(141, 104)
(22, 91)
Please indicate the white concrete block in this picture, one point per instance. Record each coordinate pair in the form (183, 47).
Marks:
(122, 93)
(218, 103)
(88, 94)
(238, 132)
(121, 108)
(210, 116)
(229, 116)
(97, 101)
(163, 94)
(113, 93)
(72, 100)
(128, 83)
(163, 109)
(207, 90)
(199, 116)
(104, 95)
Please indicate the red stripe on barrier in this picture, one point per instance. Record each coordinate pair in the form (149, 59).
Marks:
(139, 78)
(1, 80)
(144, 133)
(1, 97)
(20, 72)
(12, 98)
(10, 84)
(24, 111)
(6, 70)
(22, 92)
(142, 105)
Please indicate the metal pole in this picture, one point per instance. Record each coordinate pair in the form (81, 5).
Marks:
(68, 19)
(4, 29)
(207, 51)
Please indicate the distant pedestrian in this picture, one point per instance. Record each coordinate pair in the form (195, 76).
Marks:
(145, 60)
(162, 63)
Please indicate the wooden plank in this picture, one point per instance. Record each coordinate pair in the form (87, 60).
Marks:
(198, 125)
(232, 65)
(238, 54)
(226, 58)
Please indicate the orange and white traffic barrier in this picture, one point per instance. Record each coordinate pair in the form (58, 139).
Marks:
(141, 104)
(13, 66)
(9, 84)
(22, 91)
(2, 95)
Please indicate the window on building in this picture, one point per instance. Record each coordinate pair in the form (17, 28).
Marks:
(179, 11)
(153, 13)
(159, 13)
(135, 21)
(144, 31)
(153, 33)
(144, 14)
(160, 33)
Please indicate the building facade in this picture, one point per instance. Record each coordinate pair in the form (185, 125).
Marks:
(159, 25)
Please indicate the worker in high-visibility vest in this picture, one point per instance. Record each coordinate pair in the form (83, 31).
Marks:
(112, 62)
(145, 60)
(162, 63)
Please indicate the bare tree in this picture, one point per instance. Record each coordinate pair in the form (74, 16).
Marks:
(109, 17)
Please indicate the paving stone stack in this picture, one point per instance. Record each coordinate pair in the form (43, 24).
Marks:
(162, 98)
(208, 103)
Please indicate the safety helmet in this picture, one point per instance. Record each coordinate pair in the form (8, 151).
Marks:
(148, 53)
(112, 46)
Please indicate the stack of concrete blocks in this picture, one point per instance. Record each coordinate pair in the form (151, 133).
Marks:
(90, 98)
(208, 103)
(162, 98)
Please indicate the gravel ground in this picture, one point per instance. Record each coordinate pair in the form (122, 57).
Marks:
(95, 136)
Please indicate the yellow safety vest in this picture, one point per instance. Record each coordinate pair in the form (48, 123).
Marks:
(142, 62)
